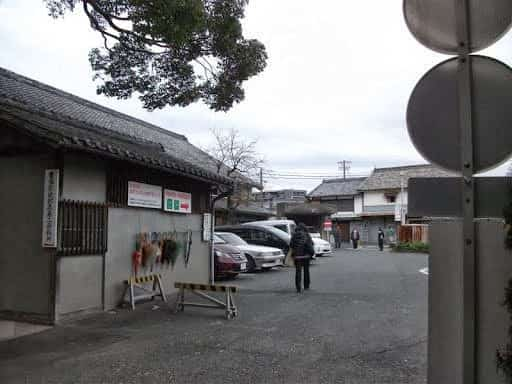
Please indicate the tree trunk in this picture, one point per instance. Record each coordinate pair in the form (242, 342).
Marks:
(231, 219)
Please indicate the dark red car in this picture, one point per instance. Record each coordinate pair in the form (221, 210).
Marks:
(229, 261)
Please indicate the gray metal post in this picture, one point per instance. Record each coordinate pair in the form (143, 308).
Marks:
(468, 278)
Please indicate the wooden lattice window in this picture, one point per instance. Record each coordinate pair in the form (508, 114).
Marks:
(82, 228)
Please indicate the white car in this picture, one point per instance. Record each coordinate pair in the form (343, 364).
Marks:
(322, 247)
(258, 256)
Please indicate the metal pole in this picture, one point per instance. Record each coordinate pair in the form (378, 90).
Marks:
(468, 278)
(212, 252)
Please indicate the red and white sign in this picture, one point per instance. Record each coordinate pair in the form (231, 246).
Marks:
(144, 195)
(179, 202)
(327, 225)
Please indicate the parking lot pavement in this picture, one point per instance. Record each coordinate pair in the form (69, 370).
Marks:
(364, 321)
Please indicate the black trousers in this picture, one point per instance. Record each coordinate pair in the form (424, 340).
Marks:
(381, 245)
(337, 243)
(354, 243)
(299, 266)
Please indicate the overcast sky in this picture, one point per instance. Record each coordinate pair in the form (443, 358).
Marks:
(336, 88)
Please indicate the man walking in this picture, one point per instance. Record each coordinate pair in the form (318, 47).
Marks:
(302, 249)
(354, 236)
(337, 237)
(380, 238)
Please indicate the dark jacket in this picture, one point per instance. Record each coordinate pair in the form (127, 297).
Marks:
(354, 235)
(301, 245)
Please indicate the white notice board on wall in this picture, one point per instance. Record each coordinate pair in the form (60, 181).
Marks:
(179, 202)
(207, 226)
(144, 195)
(50, 208)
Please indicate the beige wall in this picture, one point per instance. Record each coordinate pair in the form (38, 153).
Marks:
(125, 223)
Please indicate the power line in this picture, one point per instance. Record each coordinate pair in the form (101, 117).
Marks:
(304, 177)
(287, 173)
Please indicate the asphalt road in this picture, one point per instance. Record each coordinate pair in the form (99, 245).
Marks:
(363, 321)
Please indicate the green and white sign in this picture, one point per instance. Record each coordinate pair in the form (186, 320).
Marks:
(179, 202)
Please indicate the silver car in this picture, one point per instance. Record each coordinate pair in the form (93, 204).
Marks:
(258, 256)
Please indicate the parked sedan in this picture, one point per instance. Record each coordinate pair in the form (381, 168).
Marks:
(260, 235)
(322, 247)
(229, 261)
(258, 256)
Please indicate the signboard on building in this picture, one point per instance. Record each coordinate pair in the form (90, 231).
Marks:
(327, 225)
(50, 208)
(179, 202)
(207, 227)
(144, 195)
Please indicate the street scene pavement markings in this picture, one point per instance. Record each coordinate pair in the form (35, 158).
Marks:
(364, 321)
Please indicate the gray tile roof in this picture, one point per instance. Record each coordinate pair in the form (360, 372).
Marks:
(307, 209)
(60, 133)
(38, 98)
(337, 187)
(249, 207)
(389, 178)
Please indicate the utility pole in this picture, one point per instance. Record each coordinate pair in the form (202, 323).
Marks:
(344, 166)
(261, 192)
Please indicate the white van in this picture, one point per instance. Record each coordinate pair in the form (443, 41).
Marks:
(287, 226)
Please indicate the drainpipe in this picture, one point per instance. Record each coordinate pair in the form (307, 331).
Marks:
(402, 210)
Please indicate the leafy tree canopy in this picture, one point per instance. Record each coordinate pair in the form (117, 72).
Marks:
(172, 52)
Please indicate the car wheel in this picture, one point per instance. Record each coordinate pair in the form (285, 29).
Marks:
(251, 264)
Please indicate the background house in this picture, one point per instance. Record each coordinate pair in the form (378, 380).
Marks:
(383, 198)
(270, 199)
(244, 212)
(311, 213)
(339, 195)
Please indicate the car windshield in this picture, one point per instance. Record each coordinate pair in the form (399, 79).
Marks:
(231, 238)
(282, 227)
(218, 240)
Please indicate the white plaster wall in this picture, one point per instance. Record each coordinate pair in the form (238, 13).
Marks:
(358, 204)
(398, 197)
(84, 179)
(372, 198)
(375, 198)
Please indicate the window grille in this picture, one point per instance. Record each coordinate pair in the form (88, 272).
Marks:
(82, 228)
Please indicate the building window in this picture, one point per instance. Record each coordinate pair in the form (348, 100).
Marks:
(391, 198)
(82, 228)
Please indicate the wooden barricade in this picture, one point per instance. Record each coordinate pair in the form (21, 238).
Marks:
(157, 289)
(197, 289)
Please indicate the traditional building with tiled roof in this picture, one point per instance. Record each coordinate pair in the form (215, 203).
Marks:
(391, 178)
(373, 202)
(85, 189)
